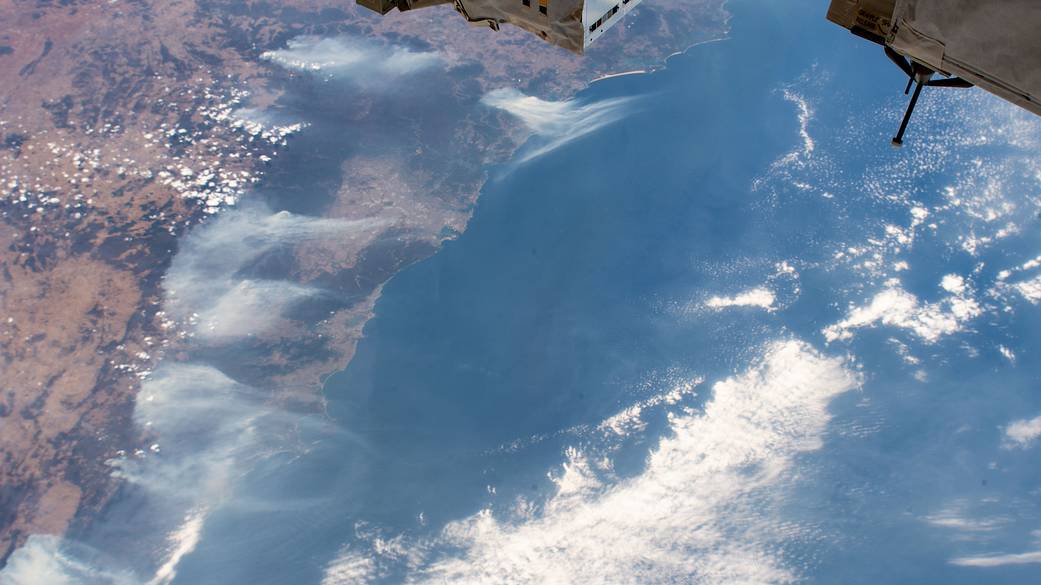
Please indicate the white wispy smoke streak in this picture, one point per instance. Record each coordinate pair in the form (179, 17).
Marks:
(47, 560)
(559, 122)
(362, 61)
(209, 429)
(203, 284)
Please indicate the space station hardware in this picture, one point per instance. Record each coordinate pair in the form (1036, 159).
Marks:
(992, 44)
(571, 24)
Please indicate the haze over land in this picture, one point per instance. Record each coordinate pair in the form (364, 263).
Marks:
(702, 324)
(124, 126)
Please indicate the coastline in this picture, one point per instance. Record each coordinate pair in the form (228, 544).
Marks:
(302, 387)
(664, 326)
(474, 199)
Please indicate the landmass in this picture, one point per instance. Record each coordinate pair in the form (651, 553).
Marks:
(123, 125)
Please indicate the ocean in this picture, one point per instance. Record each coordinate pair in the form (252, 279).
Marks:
(727, 335)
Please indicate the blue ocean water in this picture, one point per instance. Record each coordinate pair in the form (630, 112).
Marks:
(524, 399)
(567, 300)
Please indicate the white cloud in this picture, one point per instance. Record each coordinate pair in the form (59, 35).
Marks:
(630, 419)
(895, 307)
(985, 146)
(1022, 434)
(1030, 289)
(964, 524)
(1007, 353)
(350, 568)
(181, 542)
(777, 291)
(1003, 560)
(560, 122)
(364, 61)
(703, 510)
(957, 519)
(762, 298)
(805, 115)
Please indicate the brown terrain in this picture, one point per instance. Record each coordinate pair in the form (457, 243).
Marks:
(118, 134)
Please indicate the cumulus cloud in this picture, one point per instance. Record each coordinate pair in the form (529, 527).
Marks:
(351, 568)
(631, 420)
(984, 147)
(1030, 289)
(364, 61)
(558, 122)
(1022, 434)
(701, 511)
(777, 291)
(762, 298)
(895, 307)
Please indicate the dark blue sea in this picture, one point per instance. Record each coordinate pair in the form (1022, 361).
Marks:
(732, 336)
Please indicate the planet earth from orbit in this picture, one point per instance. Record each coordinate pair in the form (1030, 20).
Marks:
(652, 318)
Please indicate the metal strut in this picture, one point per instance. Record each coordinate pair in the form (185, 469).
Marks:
(920, 76)
(899, 138)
